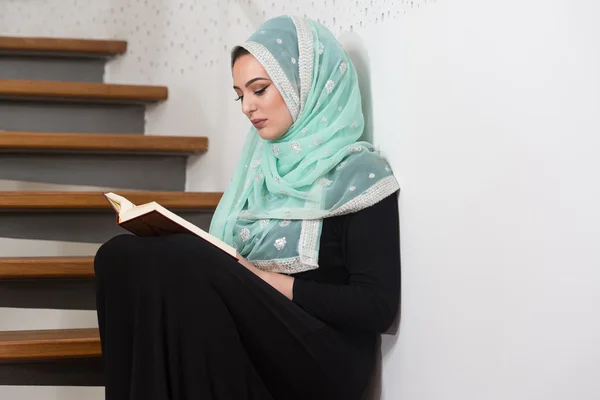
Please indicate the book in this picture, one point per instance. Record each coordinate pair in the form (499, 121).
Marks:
(152, 219)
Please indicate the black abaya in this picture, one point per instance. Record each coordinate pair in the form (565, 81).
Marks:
(181, 320)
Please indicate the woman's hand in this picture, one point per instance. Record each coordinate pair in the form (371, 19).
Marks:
(283, 283)
(249, 265)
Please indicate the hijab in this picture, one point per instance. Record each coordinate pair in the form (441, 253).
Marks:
(273, 210)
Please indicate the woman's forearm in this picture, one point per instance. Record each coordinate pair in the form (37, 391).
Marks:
(283, 283)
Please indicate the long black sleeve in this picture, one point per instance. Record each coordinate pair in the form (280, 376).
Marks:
(371, 254)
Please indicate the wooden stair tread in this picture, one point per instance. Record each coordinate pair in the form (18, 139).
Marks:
(80, 91)
(53, 200)
(62, 46)
(46, 267)
(101, 142)
(49, 344)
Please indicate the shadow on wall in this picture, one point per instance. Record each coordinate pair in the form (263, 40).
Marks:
(354, 46)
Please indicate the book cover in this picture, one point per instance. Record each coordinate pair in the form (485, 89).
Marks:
(152, 219)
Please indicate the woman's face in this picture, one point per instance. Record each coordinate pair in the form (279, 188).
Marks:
(261, 101)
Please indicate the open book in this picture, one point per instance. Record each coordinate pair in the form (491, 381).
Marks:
(152, 219)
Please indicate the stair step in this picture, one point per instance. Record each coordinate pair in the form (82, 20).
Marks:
(62, 46)
(49, 344)
(53, 378)
(71, 117)
(34, 141)
(50, 200)
(51, 68)
(28, 90)
(46, 267)
(132, 171)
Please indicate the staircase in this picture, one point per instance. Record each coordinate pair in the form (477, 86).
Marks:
(61, 126)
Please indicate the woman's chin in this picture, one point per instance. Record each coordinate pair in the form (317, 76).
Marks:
(268, 134)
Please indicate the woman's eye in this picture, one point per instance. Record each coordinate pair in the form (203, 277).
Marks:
(239, 98)
(261, 91)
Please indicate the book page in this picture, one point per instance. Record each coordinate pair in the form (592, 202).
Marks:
(119, 203)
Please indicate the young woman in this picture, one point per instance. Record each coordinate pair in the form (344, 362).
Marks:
(313, 215)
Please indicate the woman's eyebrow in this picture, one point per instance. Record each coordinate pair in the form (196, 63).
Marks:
(251, 81)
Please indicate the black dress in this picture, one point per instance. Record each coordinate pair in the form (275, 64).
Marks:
(181, 320)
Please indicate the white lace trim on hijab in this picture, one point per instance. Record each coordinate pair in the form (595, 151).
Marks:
(310, 229)
(279, 78)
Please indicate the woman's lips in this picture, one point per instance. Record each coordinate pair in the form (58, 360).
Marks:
(259, 123)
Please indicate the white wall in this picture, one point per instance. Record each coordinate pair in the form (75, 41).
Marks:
(487, 112)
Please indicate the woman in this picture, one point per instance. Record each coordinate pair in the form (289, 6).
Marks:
(313, 215)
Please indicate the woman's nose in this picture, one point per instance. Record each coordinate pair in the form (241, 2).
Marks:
(248, 106)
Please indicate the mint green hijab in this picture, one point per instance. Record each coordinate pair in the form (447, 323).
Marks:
(273, 210)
